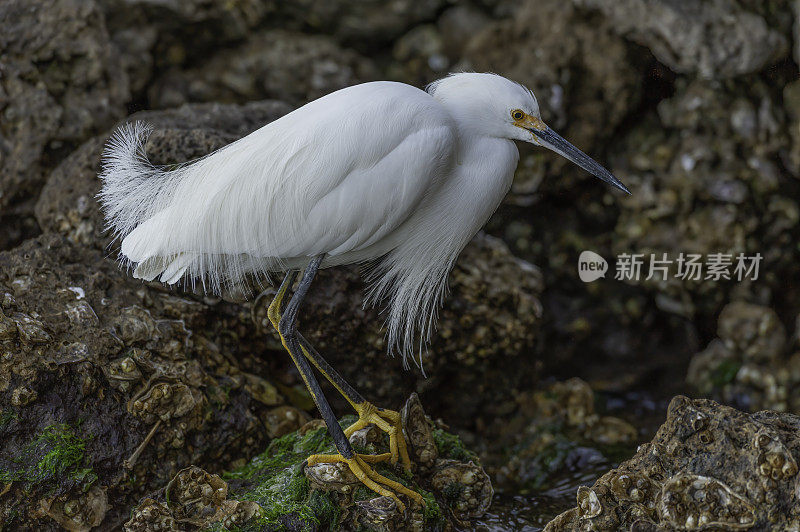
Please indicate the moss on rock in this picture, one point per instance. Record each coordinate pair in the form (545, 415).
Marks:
(56, 455)
(276, 490)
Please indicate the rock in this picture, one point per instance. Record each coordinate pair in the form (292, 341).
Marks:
(109, 387)
(61, 83)
(288, 66)
(419, 56)
(554, 429)
(80, 513)
(751, 365)
(281, 492)
(67, 204)
(791, 101)
(458, 24)
(708, 467)
(367, 25)
(698, 195)
(156, 36)
(716, 40)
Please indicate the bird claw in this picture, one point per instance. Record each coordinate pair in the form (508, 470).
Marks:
(389, 422)
(373, 480)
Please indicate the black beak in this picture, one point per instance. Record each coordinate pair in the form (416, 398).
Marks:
(553, 141)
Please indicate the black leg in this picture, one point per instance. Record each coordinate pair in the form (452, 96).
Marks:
(349, 393)
(288, 330)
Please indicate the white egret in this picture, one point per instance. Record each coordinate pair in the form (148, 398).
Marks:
(381, 173)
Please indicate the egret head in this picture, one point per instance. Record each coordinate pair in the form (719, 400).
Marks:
(491, 105)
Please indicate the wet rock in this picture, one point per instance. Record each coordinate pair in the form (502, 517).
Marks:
(751, 364)
(708, 467)
(196, 495)
(288, 66)
(553, 428)
(284, 493)
(101, 404)
(61, 83)
(718, 39)
(150, 515)
(79, 514)
(67, 204)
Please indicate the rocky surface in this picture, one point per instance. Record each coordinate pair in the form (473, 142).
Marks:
(109, 387)
(277, 490)
(555, 428)
(61, 82)
(697, 196)
(129, 375)
(718, 39)
(708, 467)
(288, 66)
(752, 364)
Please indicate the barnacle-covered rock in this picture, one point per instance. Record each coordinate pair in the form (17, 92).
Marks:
(718, 39)
(751, 365)
(697, 196)
(708, 467)
(195, 496)
(555, 426)
(277, 489)
(150, 515)
(77, 512)
(193, 500)
(419, 433)
(466, 487)
(108, 386)
(288, 66)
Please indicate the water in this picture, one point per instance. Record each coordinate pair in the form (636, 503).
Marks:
(531, 511)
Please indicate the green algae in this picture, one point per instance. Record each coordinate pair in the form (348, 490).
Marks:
(276, 481)
(56, 455)
(451, 446)
(6, 417)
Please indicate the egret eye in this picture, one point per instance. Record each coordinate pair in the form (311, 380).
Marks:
(516, 114)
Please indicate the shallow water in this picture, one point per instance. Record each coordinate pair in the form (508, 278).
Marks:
(531, 511)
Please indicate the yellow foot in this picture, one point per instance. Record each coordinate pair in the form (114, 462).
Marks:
(381, 485)
(389, 422)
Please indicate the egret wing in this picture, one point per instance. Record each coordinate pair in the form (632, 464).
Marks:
(335, 176)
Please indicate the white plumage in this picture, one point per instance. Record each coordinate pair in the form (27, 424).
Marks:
(379, 172)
